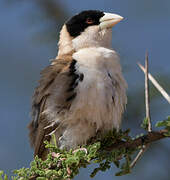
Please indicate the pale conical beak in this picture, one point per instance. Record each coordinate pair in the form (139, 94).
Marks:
(109, 20)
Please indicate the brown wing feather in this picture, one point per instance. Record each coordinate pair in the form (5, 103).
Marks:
(37, 132)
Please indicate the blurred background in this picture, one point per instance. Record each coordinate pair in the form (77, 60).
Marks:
(29, 32)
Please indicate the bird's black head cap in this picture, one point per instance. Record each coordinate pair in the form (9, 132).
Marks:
(81, 21)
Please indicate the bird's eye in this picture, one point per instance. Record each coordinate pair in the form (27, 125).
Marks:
(89, 21)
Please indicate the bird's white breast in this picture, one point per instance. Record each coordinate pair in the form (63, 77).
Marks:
(100, 99)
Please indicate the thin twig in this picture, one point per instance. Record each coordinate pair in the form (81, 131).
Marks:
(156, 84)
(138, 156)
(147, 100)
(147, 94)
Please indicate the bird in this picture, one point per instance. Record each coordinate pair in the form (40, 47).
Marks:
(83, 91)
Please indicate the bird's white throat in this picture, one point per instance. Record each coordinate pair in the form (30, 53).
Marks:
(93, 36)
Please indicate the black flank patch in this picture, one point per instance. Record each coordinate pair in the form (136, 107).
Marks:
(70, 89)
(81, 77)
(113, 99)
(75, 85)
(72, 71)
(76, 77)
(72, 65)
(109, 75)
(71, 97)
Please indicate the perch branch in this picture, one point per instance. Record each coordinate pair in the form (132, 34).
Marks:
(129, 145)
(143, 140)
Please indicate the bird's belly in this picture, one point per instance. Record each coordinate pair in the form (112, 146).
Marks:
(94, 103)
(98, 100)
(100, 97)
(92, 110)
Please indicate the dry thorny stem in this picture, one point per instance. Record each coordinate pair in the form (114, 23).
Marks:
(161, 90)
(147, 99)
(156, 84)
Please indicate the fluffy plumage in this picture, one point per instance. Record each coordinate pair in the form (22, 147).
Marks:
(83, 91)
